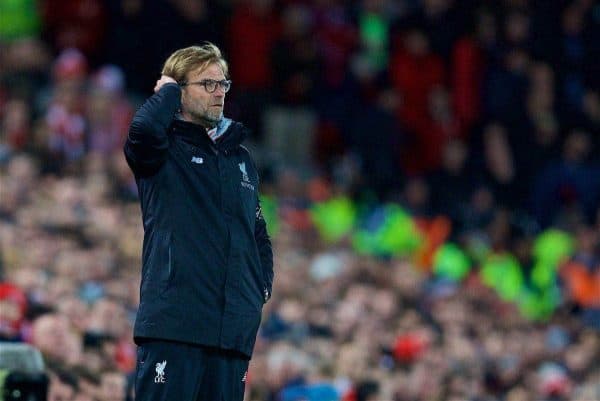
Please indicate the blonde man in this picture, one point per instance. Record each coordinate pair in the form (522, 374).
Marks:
(207, 264)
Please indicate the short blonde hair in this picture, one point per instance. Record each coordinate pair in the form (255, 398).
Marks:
(182, 61)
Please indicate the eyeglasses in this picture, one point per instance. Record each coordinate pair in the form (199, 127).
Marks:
(210, 85)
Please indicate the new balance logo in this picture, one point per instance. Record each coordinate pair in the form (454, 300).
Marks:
(160, 372)
(245, 377)
(197, 160)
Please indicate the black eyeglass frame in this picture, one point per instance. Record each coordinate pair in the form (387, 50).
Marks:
(225, 84)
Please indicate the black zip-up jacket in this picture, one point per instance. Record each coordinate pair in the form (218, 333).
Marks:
(207, 263)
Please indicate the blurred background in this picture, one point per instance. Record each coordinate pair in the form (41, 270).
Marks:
(430, 176)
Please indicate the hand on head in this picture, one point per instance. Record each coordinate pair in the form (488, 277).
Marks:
(164, 79)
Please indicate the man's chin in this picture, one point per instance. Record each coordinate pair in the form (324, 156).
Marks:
(216, 118)
(212, 120)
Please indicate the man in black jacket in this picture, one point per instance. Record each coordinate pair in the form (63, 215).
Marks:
(207, 263)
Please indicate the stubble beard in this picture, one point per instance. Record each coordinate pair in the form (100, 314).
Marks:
(207, 119)
(213, 117)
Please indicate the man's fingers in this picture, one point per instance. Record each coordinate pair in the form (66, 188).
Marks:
(167, 78)
(163, 80)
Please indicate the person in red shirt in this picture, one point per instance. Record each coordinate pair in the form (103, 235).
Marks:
(252, 31)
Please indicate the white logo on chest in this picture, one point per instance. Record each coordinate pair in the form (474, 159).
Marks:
(197, 160)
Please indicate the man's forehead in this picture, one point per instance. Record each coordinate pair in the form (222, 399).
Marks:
(212, 70)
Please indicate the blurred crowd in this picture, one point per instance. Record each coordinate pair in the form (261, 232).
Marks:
(484, 112)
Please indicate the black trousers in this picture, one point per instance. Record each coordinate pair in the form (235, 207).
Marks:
(171, 371)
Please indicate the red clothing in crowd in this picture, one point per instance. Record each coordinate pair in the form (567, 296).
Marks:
(80, 24)
(467, 77)
(431, 137)
(252, 32)
(415, 78)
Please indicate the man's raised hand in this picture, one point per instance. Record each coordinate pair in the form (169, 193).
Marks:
(164, 79)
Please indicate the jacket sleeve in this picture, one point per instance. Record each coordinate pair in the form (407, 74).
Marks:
(265, 251)
(147, 141)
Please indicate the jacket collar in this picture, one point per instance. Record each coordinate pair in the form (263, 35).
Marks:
(232, 133)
